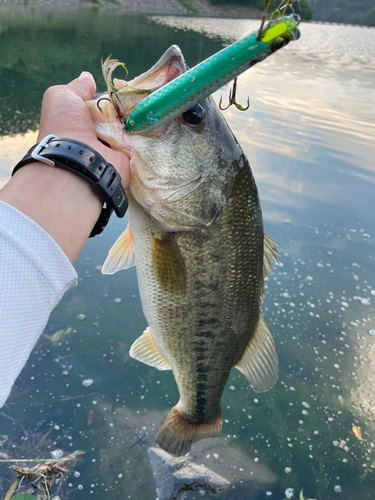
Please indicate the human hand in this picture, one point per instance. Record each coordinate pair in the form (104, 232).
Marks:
(65, 114)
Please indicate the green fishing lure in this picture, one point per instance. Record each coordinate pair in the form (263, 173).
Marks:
(208, 76)
(164, 104)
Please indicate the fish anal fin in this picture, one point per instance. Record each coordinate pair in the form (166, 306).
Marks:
(176, 434)
(121, 255)
(168, 264)
(144, 349)
(259, 361)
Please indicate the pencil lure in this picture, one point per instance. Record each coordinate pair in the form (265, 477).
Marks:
(188, 89)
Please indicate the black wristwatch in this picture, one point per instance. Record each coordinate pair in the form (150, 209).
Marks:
(87, 163)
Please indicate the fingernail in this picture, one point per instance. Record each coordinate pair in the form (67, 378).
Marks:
(84, 73)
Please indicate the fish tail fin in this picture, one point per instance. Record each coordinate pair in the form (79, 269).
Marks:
(176, 434)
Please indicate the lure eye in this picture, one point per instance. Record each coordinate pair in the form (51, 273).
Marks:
(194, 115)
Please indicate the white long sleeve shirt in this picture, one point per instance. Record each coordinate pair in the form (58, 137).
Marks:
(34, 275)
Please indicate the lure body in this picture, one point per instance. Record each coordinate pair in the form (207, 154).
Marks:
(188, 89)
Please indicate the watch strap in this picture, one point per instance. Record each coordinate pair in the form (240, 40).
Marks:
(83, 160)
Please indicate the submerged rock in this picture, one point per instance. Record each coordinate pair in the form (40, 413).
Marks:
(175, 476)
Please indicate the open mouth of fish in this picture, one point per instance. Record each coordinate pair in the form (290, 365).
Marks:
(122, 96)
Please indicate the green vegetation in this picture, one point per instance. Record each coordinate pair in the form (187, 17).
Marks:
(344, 11)
(337, 11)
(370, 18)
(306, 12)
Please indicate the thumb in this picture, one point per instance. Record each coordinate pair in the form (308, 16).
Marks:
(84, 86)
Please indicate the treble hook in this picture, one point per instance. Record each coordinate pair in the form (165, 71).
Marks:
(232, 99)
(102, 99)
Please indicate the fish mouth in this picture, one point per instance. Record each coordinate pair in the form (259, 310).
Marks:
(125, 95)
(170, 66)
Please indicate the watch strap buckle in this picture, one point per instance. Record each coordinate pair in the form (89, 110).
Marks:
(40, 146)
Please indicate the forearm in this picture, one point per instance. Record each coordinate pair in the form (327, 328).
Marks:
(61, 202)
(34, 275)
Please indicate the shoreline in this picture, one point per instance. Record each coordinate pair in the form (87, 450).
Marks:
(198, 8)
(201, 8)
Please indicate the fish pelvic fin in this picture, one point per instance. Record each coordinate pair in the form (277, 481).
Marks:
(259, 362)
(169, 264)
(121, 255)
(176, 434)
(144, 349)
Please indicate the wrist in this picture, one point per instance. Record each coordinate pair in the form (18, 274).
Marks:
(61, 202)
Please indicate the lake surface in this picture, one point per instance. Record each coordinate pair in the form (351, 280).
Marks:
(309, 135)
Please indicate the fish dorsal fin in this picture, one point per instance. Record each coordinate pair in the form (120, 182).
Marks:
(144, 349)
(259, 362)
(270, 254)
(168, 264)
(121, 255)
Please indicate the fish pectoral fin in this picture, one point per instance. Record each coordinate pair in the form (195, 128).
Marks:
(121, 255)
(168, 264)
(144, 349)
(259, 362)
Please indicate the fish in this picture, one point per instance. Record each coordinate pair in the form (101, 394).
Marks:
(196, 237)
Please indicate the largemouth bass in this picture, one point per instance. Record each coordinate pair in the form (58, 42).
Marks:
(196, 230)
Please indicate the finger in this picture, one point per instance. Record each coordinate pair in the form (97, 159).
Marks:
(84, 86)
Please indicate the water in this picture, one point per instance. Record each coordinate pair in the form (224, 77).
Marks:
(309, 136)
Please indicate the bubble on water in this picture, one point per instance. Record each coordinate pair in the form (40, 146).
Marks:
(216, 455)
(306, 405)
(287, 470)
(80, 487)
(289, 492)
(362, 300)
(268, 493)
(371, 332)
(337, 488)
(81, 317)
(87, 382)
(77, 474)
(335, 443)
(57, 453)
(117, 300)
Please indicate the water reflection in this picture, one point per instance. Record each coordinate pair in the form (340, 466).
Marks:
(309, 138)
(12, 149)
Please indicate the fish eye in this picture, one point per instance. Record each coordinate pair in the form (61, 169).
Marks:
(194, 115)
